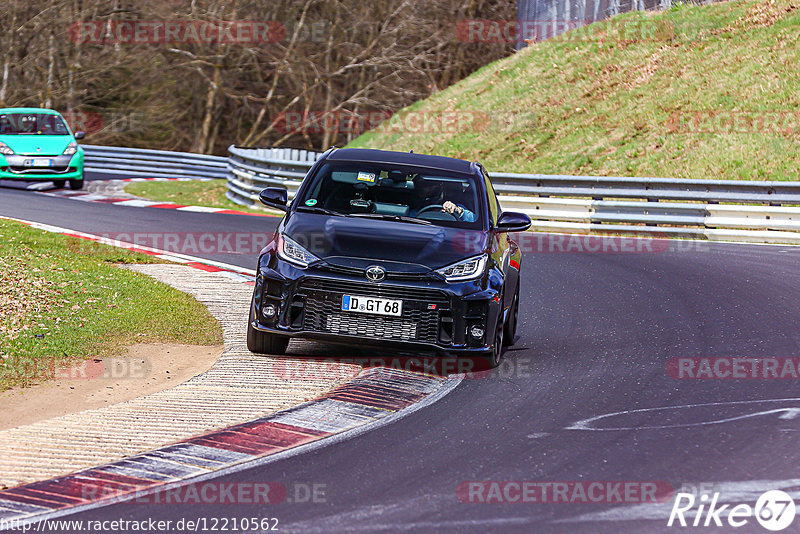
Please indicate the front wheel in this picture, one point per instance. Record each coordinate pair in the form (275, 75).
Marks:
(496, 355)
(74, 184)
(263, 343)
(59, 183)
(511, 323)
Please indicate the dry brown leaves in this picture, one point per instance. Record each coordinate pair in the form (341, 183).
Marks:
(26, 297)
(764, 14)
(646, 71)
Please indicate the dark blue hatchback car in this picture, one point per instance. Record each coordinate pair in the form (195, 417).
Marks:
(390, 249)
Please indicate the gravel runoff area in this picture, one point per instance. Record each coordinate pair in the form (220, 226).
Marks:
(239, 387)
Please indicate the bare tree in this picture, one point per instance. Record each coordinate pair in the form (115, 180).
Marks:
(336, 58)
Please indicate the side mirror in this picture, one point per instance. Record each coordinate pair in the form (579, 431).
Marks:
(80, 135)
(274, 197)
(513, 222)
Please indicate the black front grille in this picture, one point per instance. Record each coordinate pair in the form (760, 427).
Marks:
(418, 322)
(41, 170)
(390, 275)
(369, 289)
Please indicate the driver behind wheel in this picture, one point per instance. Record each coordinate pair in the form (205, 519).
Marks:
(432, 192)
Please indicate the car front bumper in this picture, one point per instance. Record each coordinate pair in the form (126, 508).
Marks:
(437, 316)
(20, 167)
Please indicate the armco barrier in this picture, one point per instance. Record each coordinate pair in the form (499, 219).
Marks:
(153, 163)
(724, 210)
(253, 169)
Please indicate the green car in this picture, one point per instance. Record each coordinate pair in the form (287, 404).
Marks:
(37, 145)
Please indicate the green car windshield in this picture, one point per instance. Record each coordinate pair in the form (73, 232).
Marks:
(32, 124)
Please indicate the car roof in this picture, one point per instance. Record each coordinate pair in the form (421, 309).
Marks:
(401, 158)
(44, 111)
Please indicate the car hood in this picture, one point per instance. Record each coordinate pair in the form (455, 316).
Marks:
(400, 247)
(37, 145)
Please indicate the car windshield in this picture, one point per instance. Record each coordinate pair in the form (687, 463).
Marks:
(32, 124)
(394, 192)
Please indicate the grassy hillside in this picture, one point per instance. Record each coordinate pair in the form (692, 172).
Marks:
(694, 92)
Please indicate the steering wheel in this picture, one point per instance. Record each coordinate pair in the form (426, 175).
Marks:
(437, 207)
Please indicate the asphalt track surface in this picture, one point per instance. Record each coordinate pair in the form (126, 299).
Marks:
(596, 332)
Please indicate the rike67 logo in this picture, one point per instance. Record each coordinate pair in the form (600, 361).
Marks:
(774, 510)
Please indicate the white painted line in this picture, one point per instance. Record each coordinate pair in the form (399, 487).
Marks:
(21, 507)
(135, 472)
(235, 276)
(788, 412)
(175, 259)
(319, 416)
(165, 466)
(41, 186)
(184, 459)
(137, 203)
(201, 209)
(84, 198)
(208, 453)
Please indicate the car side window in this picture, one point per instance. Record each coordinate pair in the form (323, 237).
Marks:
(491, 199)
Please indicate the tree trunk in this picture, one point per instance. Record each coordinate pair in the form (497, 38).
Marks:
(51, 68)
(202, 143)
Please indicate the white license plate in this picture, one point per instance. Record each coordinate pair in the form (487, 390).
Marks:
(41, 163)
(353, 303)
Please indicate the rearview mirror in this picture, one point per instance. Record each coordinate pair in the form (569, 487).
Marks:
(80, 135)
(274, 197)
(513, 222)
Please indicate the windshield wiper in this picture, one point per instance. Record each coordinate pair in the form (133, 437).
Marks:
(317, 209)
(398, 218)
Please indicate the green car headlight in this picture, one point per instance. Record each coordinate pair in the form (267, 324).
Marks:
(71, 149)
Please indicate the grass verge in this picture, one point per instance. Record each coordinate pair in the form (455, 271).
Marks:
(64, 299)
(703, 91)
(210, 193)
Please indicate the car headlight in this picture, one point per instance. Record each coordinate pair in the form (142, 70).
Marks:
(71, 149)
(290, 251)
(5, 149)
(465, 269)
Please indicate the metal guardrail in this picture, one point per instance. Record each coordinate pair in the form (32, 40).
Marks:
(253, 169)
(717, 210)
(153, 163)
(669, 207)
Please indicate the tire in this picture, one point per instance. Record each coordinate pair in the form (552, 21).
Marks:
(59, 183)
(263, 343)
(494, 359)
(75, 184)
(510, 327)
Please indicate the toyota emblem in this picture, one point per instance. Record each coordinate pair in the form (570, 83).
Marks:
(376, 273)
